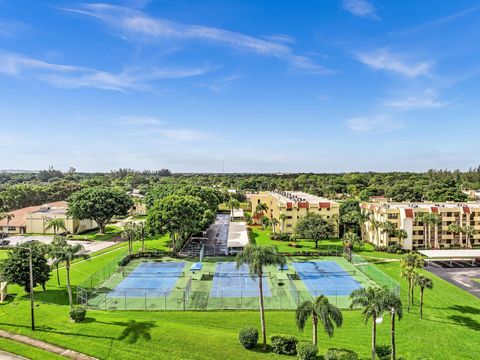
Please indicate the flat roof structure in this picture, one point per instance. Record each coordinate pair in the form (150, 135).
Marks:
(20, 215)
(451, 254)
(298, 196)
(237, 235)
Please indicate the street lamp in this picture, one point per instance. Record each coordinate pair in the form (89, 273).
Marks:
(31, 284)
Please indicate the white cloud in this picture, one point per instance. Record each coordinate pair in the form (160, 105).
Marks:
(136, 120)
(70, 76)
(378, 123)
(140, 26)
(182, 134)
(383, 59)
(360, 8)
(425, 99)
(10, 28)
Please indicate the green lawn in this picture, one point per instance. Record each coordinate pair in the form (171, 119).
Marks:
(449, 329)
(111, 231)
(261, 237)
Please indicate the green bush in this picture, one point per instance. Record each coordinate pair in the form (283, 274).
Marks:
(306, 351)
(383, 352)
(78, 313)
(340, 354)
(248, 337)
(284, 344)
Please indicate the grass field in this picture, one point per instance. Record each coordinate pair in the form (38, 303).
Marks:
(261, 237)
(449, 329)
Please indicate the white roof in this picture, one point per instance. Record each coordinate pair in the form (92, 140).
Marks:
(237, 235)
(450, 254)
(237, 213)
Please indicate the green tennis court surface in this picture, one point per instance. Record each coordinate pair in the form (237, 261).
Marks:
(169, 284)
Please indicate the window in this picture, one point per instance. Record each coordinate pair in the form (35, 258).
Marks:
(289, 216)
(289, 225)
(393, 216)
(12, 228)
(289, 209)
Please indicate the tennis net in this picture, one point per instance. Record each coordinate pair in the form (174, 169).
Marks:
(318, 274)
(236, 274)
(155, 275)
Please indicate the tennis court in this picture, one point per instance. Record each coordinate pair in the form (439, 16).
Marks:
(228, 281)
(326, 278)
(150, 279)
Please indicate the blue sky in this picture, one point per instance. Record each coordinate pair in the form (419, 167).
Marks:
(261, 86)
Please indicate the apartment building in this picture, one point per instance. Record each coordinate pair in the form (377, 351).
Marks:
(294, 205)
(421, 234)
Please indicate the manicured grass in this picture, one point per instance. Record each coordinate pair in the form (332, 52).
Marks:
(27, 351)
(243, 205)
(111, 231)
(261, 237)
(449, 329)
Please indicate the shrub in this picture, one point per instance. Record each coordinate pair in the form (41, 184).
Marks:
(306, 351)
(248, 337)
(284, 344)
(394, 248)
(340, 354)
(383, 352)
(78, 313)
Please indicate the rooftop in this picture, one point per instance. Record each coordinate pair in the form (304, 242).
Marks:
(298, 196)
(425, 205)
(20, 215)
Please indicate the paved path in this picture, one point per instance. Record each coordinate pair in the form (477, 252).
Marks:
(7, 356)
(45, 346)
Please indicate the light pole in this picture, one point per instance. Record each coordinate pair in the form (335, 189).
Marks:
(30, 264)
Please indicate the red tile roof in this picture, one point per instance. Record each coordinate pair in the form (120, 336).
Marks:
(21, 214)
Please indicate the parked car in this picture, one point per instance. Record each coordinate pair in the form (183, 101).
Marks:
(4, 242)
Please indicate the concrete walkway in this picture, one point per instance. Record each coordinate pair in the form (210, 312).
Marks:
(7, 356)
(45, 346)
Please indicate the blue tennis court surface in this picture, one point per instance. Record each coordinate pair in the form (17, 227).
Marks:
(228, 281)
(326, 278)
(149, 279)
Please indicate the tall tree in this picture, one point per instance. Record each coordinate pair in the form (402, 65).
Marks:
(16, 268)
(99, 203)
(315, 227)
(409, 265)
(393, 304)
(67, 253)
(320, 310)
(274, 222)
(283, 217)
(457, 230)
(372, 301)
(423, 282)
(233, 204)
(56, 224)
(468, 231)
(257, 257)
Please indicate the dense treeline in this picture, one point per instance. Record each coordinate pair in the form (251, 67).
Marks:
(19, 190)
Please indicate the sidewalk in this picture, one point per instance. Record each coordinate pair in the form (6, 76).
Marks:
(44, 346)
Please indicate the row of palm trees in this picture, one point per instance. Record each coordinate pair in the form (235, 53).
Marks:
(375, 301)
(386, 227)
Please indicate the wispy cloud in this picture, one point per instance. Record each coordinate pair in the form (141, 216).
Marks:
(360, 8)
(136, 120)
(383, 59)
(137, 25)
(219, 85)
(381, 123)
(426, 99)
(9, 28)
(71, 76)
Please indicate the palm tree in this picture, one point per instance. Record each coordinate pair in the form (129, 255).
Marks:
(261, 208)
(468, 231)
(434, 220)
(423, 282)
(388, 228)
(56, 224)
(55, 251)
(363, 217)
(233, 204)
(372, 300)
(130, 233)
(375, 227)
(423, 218)
(394, 304)
(409, 265)
(401, 235)
(9, 217)
(274, 222)
(320, 309)
(265, 221)
(282, 218)
(257, 257)
(456, 229)
(68, 253)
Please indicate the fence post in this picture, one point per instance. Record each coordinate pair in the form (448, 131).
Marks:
(125, 293)
(145, 293)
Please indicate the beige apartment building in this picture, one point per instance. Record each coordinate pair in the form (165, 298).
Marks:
(420, 235)
(34, 220)
(294, 205)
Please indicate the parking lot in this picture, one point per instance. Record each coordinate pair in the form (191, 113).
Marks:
(459, 273)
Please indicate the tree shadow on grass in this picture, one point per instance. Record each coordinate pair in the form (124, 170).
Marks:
(49, 329)
(466, 321)
(465, 309)
(135, 330)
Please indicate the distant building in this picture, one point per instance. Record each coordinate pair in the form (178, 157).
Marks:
(34, 220)
(472, 194)
(407, 216)
(138, 207)
(295, 205)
